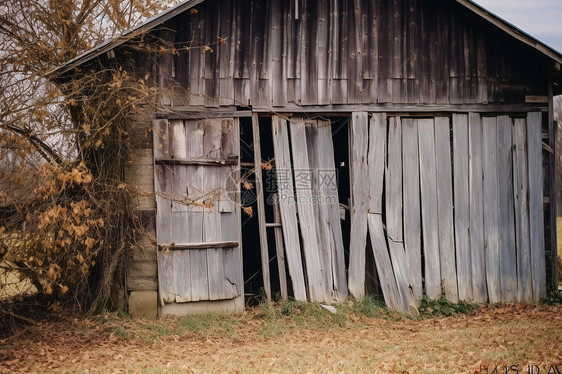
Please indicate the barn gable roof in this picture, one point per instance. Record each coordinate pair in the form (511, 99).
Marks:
(164, 16)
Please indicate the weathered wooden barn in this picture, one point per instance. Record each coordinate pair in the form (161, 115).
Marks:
(404, 147)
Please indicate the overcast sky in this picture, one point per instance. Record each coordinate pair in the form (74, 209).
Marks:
(539, 18)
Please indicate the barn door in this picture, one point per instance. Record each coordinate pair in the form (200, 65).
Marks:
(198, 216)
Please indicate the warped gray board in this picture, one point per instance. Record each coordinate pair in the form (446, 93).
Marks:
(287, 207)
(478, 259)
(314, 264)
(536, 218)
(411, 187)
(506, 216)
(491, 208)
(445, 208)
(359, 191)
(429, 212)
(521, 189)
(393, 200)
(462, 205)
(329, 228)
(264, 251)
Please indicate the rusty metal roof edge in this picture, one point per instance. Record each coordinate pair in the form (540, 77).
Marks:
(172, 12)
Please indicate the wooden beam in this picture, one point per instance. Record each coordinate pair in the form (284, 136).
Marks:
(208, 245)
(196, 161)
(280, 249)
(392, 108)
(261, 207)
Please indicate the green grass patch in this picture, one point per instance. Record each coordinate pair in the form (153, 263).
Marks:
(444, 308)
(123, 333)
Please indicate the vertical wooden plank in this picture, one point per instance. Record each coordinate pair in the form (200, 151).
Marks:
(280, 250)
(359, 191)
(462, 206)
(212, 143)
(376, 164)
(225, 54)
(521, 190)
(166, 277)
(376, 161)
(278, 78)
(308, 51)
(429, 212)
(231, 227)
(445, 208)
(476, 234)
(264, 251)
(411, 187)
(287, 206)
(506, 219)
(322, 56)
(536, 216)
(162, 175)
(329, 226)
(315, 270)
(491, 208)
(393, 201)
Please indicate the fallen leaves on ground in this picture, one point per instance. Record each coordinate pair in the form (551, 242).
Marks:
(494, 337)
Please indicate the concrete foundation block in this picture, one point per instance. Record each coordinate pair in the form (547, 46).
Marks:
(143, 304)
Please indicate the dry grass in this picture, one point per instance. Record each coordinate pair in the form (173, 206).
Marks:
(294, 339)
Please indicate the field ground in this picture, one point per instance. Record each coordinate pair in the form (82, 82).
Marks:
(295, 338)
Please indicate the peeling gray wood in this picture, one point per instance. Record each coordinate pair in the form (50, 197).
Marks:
(264, 251)
(287, 206)
(412, 219)
(359, 190)
(476, 234)
(506, 218)
(462, 206)
(445, 208)
(491, 208)
(536, 217)
(521, 190)
(315, 271)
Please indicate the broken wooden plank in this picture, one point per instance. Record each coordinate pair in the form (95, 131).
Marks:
(429, 212)
(315, 270)
(411, 187)
(359, 191)
(462, 205)
(376, 161)
(536, 217)
(384, 267)
(393, 201)
(476, 233)
(287, 206)
(491, 208)
(521, 190)
(445, 208)
(264, 251)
